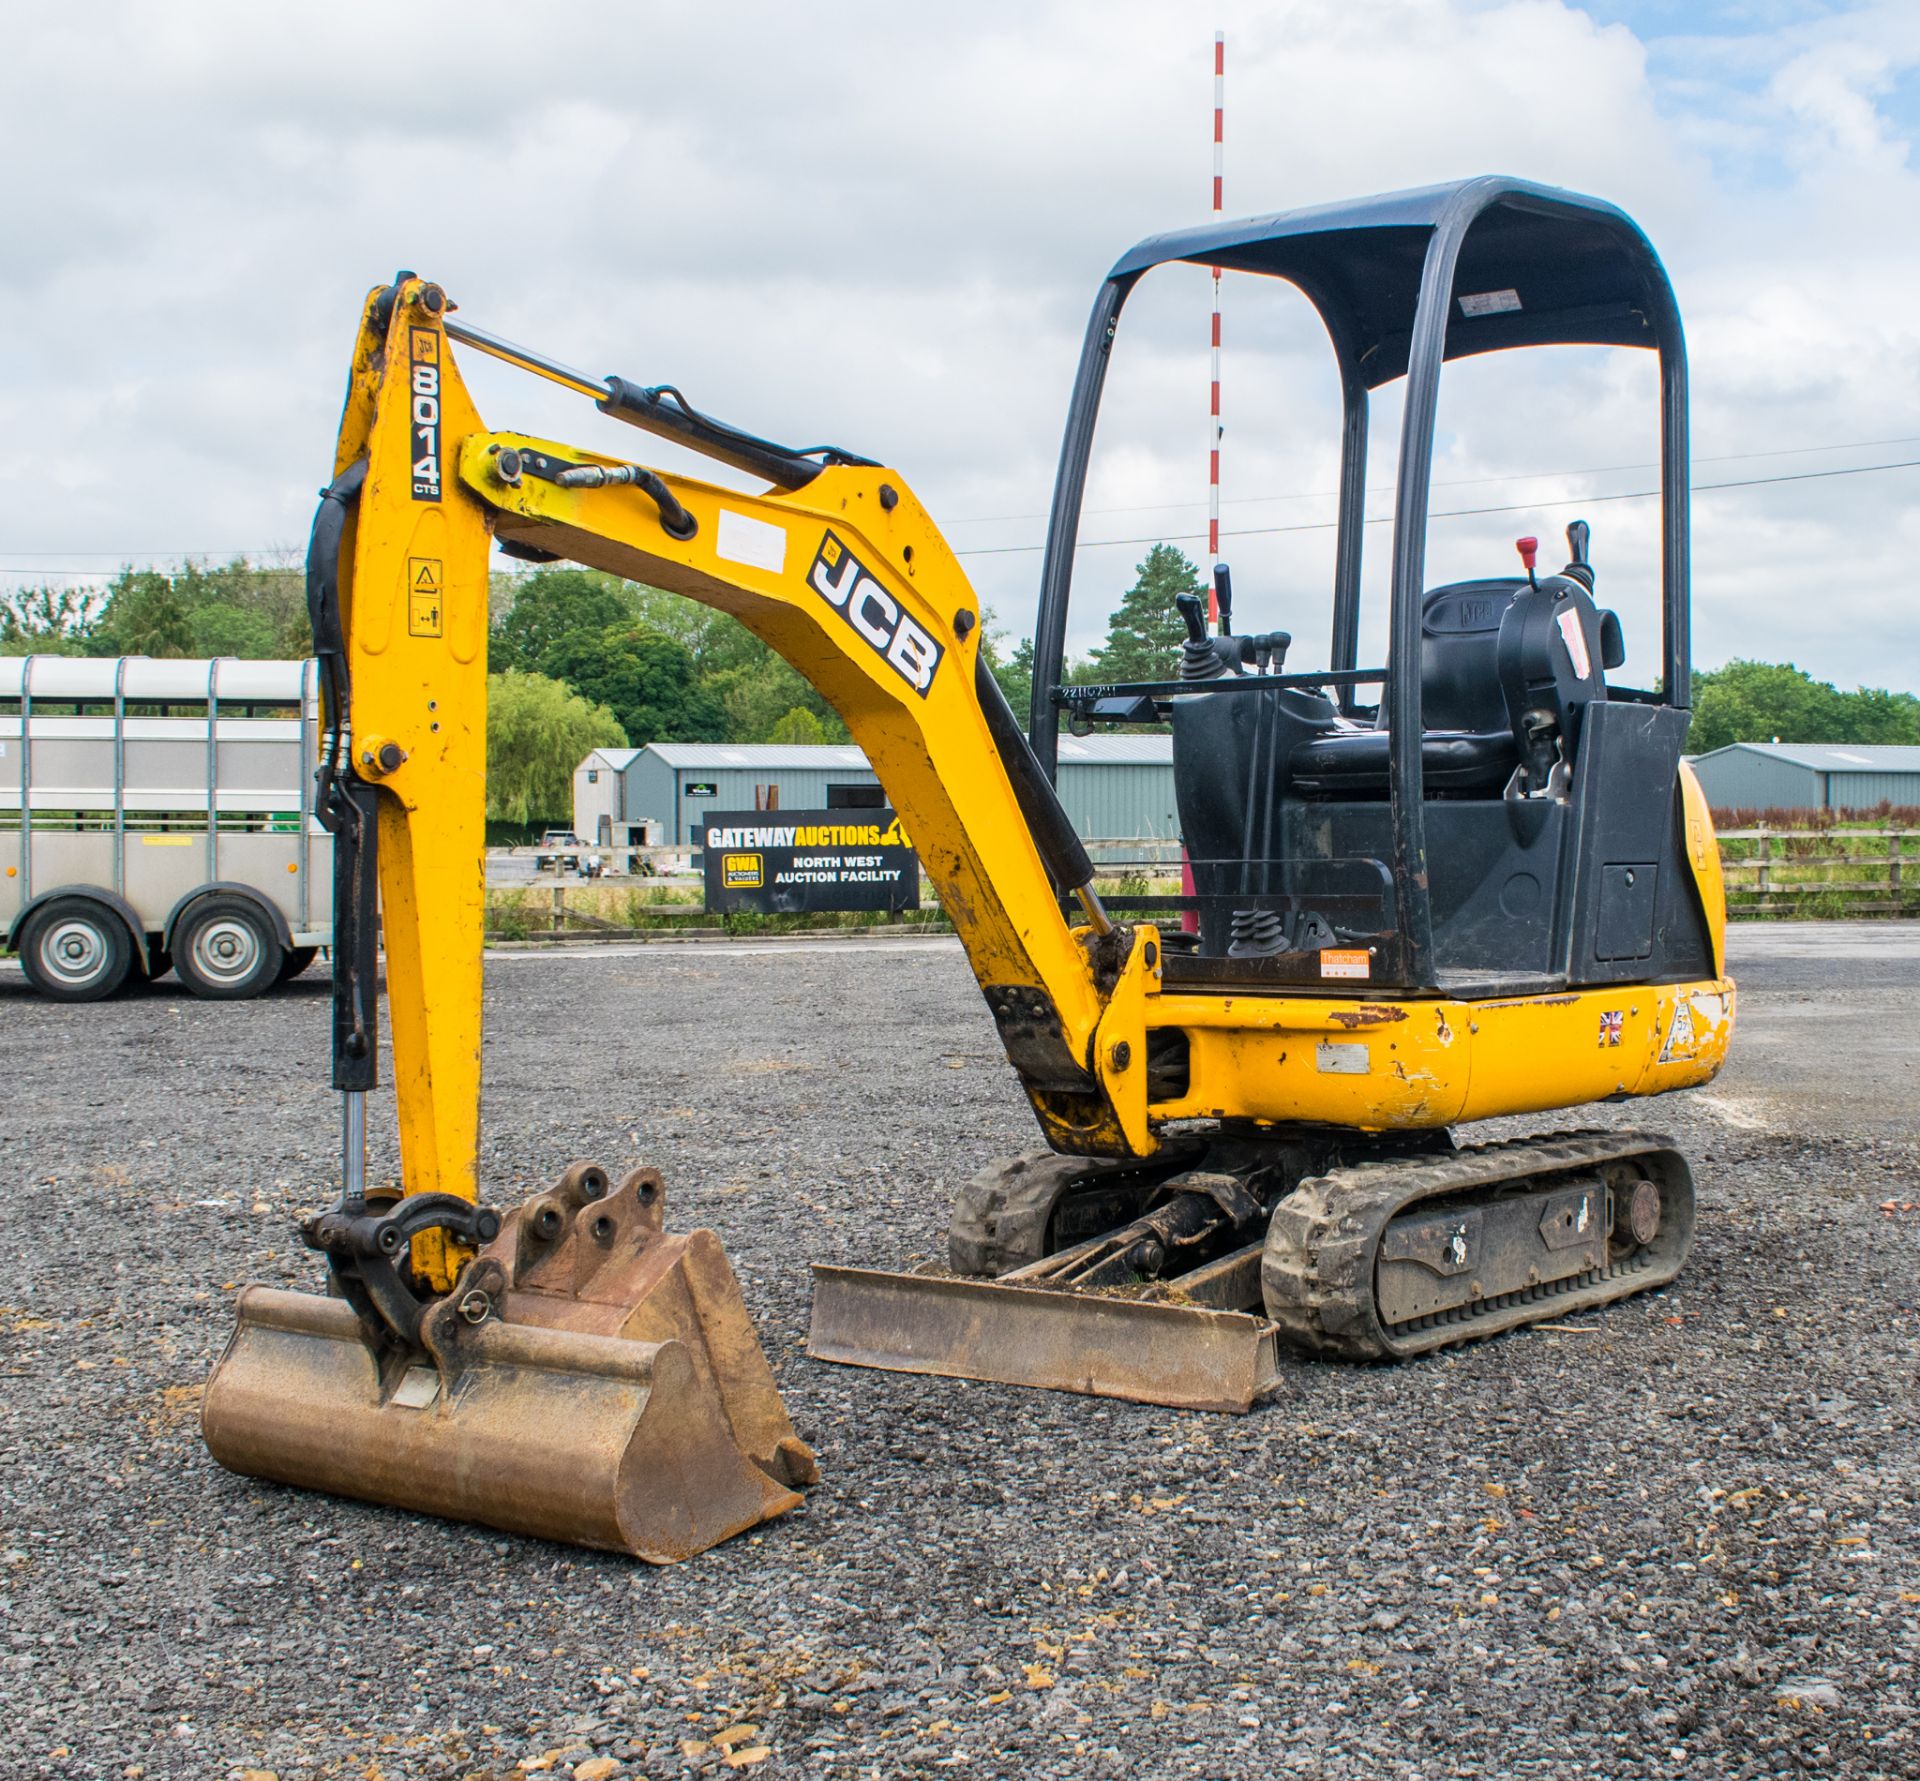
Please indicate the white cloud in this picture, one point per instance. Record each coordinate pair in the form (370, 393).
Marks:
(883, 226)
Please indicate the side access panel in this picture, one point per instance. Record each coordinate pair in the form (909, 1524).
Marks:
(1631, 916)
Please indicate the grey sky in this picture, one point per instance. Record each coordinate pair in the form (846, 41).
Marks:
(882, 225)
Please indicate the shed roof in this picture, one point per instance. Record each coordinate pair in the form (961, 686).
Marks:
(616, 758)
(1832, 757)
(795, 756)
(1114, 751)
(1118, 751)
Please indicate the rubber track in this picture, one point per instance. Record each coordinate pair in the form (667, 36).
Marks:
(1317, 1274)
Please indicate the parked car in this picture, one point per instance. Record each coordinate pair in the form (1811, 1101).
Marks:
(559, 851)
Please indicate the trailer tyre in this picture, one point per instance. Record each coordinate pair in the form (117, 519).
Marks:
(75, 950)
(298, 958)
(225, 949)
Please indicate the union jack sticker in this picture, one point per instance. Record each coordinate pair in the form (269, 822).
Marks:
(1612, 1021)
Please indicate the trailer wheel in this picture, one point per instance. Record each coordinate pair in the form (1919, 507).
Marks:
(226, 950)
(75, 950)
(298, 959)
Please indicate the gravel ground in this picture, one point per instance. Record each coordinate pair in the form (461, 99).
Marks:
(1684, 1543)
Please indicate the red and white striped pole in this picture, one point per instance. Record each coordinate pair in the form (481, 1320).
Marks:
(1190, 916)
(1213, 454)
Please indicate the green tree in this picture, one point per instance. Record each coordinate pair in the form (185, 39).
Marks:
(221, 628)
(547, 612)
(551, 607)
(756, 688)
(1767, 701)
(758, 692)
(1015, 675)
(646, 680)
(47, 621)
(265, 609)
(233, 609)
(538, 732)
(1877, 715)
(1145, 633)
(142, 617)
(716, 640)
(799, 727)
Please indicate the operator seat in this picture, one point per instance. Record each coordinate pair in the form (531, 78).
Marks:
(1507, 667)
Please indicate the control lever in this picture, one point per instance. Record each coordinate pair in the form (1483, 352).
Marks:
(1269, 650)
(1579, 569)
(1203, 657)
(1193, 610)
(1529, 549)
(1223, 597)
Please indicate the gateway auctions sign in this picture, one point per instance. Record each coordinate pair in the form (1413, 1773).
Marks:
(789, 862)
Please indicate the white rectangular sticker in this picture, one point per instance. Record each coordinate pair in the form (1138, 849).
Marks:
(754, 542)
(1574, 636)
(1338, 1059)
(1337, 963)
(1477, 303)
(418, 1388)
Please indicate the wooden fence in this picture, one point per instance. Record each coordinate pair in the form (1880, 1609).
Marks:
(1827, 873)
(1821, 872)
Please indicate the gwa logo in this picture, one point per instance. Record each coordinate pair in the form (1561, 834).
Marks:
(840, 579)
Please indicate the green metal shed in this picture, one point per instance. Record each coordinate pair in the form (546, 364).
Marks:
(1115, 788)
(1809, 775)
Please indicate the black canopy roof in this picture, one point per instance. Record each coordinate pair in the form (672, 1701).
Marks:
(1538, 266)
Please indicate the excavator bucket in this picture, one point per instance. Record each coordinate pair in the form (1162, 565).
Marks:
(590, 1379)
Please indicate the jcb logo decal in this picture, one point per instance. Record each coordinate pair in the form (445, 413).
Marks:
(840, 579)
(424, 395)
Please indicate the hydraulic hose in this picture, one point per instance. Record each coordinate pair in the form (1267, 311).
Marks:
(1061, 849)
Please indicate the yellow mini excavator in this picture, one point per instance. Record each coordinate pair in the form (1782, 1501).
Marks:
(1475, 881)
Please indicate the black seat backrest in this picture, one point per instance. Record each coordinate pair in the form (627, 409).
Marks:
(1460, 655)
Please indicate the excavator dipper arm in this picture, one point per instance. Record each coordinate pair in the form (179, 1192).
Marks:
(569, 1369)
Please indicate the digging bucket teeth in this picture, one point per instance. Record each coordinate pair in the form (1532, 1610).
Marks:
(590, 1379)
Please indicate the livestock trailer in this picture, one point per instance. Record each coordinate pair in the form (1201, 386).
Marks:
(158, 815)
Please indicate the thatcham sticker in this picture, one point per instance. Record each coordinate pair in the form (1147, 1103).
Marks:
(840, 579)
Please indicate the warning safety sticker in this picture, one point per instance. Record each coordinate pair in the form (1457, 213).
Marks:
(424, 578)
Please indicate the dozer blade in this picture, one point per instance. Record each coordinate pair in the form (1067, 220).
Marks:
(1112, 1344)
(590, 1379)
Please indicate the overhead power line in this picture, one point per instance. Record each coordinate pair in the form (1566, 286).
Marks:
(1327, 525)
(1462, 482)
(1001, 550)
